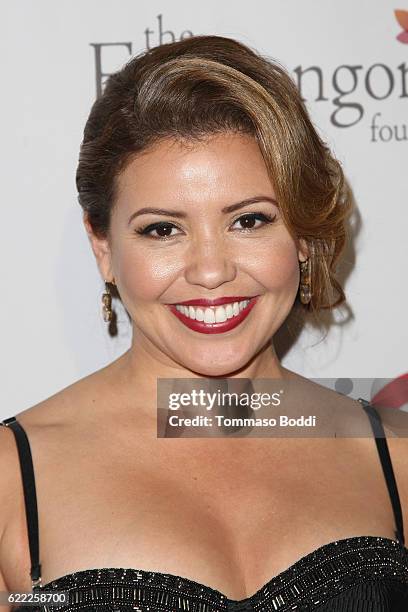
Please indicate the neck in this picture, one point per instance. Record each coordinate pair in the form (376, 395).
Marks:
(136, 372)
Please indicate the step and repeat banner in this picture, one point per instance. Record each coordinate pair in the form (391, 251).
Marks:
(349, 60)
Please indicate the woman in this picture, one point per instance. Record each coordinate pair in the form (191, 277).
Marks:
(202, 178)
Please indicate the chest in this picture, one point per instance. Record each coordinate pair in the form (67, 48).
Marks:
(225, 515)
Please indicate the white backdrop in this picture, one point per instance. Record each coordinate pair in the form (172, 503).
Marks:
(357, 94)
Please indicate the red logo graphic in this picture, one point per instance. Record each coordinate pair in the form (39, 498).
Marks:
(402, 18)
(394, 394)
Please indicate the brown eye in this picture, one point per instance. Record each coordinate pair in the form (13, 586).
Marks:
(248, 220)
(163, 230)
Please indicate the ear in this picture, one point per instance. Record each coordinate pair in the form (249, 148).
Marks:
(101, 250)
(303, 252)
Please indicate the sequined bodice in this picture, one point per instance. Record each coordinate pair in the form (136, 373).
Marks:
(371, 571)
(357, 574)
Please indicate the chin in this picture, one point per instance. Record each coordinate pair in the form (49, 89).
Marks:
(224, 369)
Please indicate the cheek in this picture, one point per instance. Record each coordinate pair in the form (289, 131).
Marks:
(143, 275)
(276, 266)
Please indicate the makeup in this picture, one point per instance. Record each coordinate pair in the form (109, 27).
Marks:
(213, 320)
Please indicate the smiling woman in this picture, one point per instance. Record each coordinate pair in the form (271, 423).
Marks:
(185, 94)
(213, 209)
(204, 250)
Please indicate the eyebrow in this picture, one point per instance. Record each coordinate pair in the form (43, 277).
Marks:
(182, 215)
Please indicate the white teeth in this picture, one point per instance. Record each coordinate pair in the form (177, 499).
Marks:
(209, 316)
(218, 314)
(199, 314)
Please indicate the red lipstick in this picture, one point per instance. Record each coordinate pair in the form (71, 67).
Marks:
(206, 303)
(213, 328)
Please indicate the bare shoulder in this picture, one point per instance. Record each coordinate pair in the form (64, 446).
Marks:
(74, 404)
(395, 425)
(10, 493)
(398, 447)
(319, 391)
(352, 420)
(71, 405)
(339, 413)
(53, 426)
(9, 474)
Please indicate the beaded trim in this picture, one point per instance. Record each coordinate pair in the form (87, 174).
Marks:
(315, 579)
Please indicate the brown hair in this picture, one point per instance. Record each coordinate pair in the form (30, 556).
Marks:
(210, 84)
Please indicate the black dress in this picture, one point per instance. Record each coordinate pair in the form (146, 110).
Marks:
(356, 574)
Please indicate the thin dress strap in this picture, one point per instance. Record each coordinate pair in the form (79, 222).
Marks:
(30, 496)
(384, 454)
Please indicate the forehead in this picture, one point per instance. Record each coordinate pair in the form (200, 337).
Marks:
(223, 165)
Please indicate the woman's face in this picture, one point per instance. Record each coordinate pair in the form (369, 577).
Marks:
(201, 251)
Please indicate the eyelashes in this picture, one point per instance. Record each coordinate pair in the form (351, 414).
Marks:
(168, 226)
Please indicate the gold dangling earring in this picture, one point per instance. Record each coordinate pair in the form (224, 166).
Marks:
(305, 281)
(107, 302)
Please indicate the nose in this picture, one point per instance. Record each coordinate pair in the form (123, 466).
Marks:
(209, 263)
